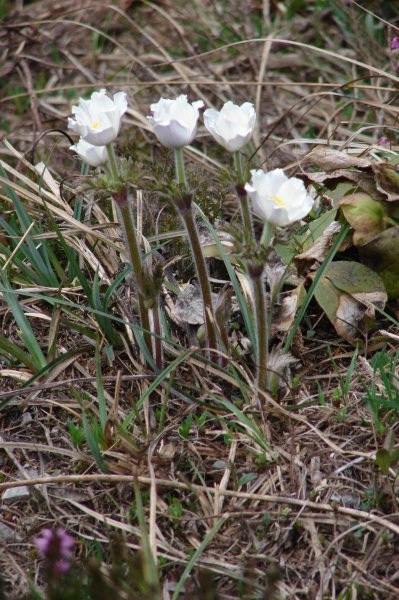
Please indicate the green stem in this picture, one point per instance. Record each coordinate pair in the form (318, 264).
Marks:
(242, 195)
(267, 234)
(179, 168)
(135, 259)
(149, 568)
(187, 217)
(112, 162)
(262, 330)
(158, 354)
(238, 168)
(192, 233)
(133, 249)
(266, 240)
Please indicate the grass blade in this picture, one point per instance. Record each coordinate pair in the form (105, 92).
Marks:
(191, 563)
(27, 334)
(102, 404)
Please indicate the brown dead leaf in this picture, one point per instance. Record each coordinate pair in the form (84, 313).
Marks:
(283, 320)
(209, 246)
(352, 309)
(362, 179)
(318, 250)
(189, 307)
(329, 159)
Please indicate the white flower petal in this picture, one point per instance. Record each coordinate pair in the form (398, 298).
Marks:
(174, 135)
(120, 99)
(92, 155)
(272, 181)
(278, 199)
(175, 121)
(232, 126)
(98, 120)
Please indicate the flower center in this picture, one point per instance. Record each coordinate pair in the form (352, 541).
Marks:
(277, 200)
(96, 124)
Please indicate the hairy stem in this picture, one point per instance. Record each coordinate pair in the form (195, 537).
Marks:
(186, 215)
(135, 259)
(112, 162)
(158, 353)
(202, 273)
(262, 330)
(179, 168)
(242, 195)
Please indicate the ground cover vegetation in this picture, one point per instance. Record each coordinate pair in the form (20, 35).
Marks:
(199, 216)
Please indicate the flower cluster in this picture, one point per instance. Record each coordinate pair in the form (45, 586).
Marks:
(56, 547)
(276, 199)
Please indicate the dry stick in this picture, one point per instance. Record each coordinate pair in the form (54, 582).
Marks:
(268, 498)
(272, 83)
(17, 247)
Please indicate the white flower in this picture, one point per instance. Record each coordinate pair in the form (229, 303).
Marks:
(175, 121)
(233, 126)
(92, 155)
(277, 199)
(98, 120)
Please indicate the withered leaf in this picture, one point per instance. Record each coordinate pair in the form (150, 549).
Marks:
(348, 293)
(209, 246)
(320, 247)
(387, 180)
(382, 255)
(285, 316)
(189, 306)
(328, 159)
(364, 215)
(365, 180)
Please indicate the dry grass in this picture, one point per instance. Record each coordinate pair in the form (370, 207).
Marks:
(302, 509)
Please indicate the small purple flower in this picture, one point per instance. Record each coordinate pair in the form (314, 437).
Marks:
(56, 547)
(383, 141)
(395, 43)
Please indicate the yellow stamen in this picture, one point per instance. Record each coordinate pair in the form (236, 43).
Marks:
(96, 124)
(277, 200)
